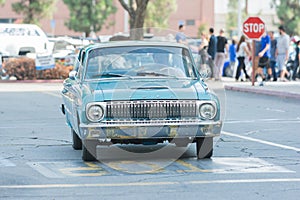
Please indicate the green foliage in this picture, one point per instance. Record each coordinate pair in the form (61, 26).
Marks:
(34, 10)
(202, 28)
(158, 12)
(232, 15)
(288, 12)
(88, 15)
(2, 2)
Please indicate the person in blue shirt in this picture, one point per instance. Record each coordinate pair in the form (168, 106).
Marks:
(273, 56)
(232, 54)
(264, 57)
(180, 36)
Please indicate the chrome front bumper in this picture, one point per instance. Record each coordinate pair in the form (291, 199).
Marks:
(151, 129)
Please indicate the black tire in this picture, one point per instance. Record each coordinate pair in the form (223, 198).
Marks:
(89, 151)
(77, 143)
(204, 147)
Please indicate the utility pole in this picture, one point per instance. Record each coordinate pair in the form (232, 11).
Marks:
(246, 8)
(126, 30)
(239, 18)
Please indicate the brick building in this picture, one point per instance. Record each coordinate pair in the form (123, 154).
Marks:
(193, 13)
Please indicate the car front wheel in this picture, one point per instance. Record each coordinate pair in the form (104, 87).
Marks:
(204, 147)
(77, 143)
(89, 150)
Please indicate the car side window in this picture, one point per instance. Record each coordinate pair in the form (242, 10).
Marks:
(188, 64)
(79, 65)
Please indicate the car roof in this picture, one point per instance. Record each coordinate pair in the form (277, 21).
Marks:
(134, 43)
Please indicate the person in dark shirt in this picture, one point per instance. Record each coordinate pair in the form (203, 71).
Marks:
(222, 47)
(211, 50)
(296, 61)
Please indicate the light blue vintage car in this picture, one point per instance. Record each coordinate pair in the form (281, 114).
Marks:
(139, 92)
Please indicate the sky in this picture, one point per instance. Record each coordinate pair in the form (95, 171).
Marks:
(254, 6)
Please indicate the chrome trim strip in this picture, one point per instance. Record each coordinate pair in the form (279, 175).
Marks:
(150, 123)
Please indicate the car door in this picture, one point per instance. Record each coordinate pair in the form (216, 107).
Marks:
(72, 94)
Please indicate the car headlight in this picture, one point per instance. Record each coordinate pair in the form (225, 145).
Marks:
(94, 113)
(207, 111)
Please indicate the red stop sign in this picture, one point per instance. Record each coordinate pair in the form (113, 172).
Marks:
(253, 27)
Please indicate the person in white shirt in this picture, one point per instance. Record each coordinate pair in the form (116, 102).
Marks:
(242, 52)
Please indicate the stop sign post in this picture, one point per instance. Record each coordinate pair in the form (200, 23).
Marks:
(253, 28)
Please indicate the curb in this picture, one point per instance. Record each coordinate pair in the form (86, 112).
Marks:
(32, 81)
(264, 92)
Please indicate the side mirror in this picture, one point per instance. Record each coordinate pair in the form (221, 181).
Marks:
(72, 75)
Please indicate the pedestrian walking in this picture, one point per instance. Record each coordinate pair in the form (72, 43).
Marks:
(212, 44)
(204, 42)
(282, 53)
(273, 55)
(203, 48)
(264, 57)
(242, 53)
(296, 61)
(232, 55)
(180, 35)
(222, 47)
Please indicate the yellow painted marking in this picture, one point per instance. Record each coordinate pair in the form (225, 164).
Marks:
(77, 171)
(173, 131)
(191, 168)
(154, 168)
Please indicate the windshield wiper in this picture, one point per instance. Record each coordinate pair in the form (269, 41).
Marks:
(110, 75)
(151, 74)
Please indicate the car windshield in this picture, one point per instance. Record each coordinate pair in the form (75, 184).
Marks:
(139, 61)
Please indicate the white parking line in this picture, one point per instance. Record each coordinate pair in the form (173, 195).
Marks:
(52, 94)
(6, 163)
(44, 170)
(144, 184)
(261, 141)
(297, 121)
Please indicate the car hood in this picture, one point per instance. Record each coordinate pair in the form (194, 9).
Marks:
(146, 89)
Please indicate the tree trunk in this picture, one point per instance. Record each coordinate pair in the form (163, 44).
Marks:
(137, 32)
(137, 17)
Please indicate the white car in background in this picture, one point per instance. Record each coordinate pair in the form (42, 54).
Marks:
(20, 39)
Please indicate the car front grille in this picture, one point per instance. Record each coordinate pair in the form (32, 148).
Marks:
(172, 109)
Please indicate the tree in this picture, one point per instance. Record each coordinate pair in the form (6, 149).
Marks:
(158, 17)
(88, 15)
(201, 28)
(2, 2)
(137, 13)
(232, 15)
(288, 12)
(34, 10)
